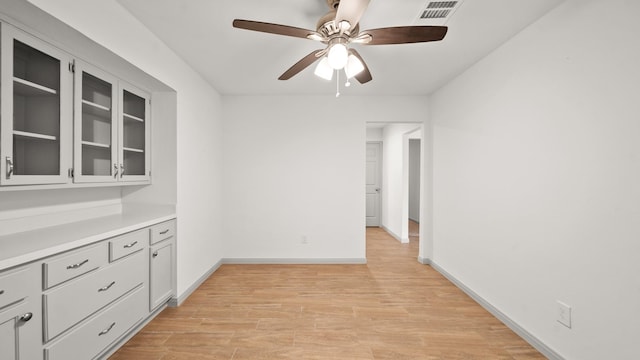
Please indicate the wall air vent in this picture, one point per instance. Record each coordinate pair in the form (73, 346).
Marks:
(437, 12)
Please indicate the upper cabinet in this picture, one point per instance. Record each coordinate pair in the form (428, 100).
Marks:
(95, 125)
(64, 120)
(35, 137)
(111, 128)
(134, 134)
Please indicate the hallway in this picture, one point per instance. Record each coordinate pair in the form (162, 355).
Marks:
(391, 308)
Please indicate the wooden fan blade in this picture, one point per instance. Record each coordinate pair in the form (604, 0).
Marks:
(405, 34)
(365, 75)
(351, 11)
(272, 28)
(300, 65)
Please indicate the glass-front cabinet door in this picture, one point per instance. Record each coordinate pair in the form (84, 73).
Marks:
(95, 125)
(134, 134)
(35, 110)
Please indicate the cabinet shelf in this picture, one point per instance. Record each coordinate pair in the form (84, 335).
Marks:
(133, 150)
(25, 87)
(96, 106)
(98, 111)
(96, 145)
(29, 135)
(131, 117)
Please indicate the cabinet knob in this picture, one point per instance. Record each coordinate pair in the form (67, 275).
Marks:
(1, 292)
(26, 317)
(155, 254)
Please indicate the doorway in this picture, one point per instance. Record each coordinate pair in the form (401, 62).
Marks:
(397, 194)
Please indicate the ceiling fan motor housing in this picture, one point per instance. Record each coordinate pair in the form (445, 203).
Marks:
(327, 26)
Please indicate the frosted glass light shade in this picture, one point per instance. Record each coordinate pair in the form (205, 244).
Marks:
(324, 70)
(354, 66)
(338, 55)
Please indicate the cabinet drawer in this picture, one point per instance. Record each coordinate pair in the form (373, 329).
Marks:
(68, 266)
(162, 231)
(124, 245)
(94, 336)
(71, 303)
(12, 284)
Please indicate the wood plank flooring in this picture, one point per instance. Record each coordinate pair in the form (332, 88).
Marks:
(391, 308)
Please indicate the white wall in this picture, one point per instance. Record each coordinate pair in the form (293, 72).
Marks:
(198, 125)
(374, 134)
(295, 166)
(414, 179)
(395, 177)
(537, 178)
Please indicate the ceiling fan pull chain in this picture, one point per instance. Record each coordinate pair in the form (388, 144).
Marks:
(348, 83)
(337, 83)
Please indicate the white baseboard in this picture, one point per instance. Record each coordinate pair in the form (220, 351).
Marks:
(424, 261)
(395, 236)
(177, 301)
(527, 336)
(287, 261)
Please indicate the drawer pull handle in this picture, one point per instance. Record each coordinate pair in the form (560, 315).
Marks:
(75, 266)
(130, 245)
(26, 317)
(106, 331)
(164, 232)
(107, 287)
(155, 254)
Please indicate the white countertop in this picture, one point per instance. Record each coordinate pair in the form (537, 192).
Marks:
(28, 246)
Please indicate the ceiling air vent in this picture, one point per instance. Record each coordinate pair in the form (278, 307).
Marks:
(438, 9)
(437, 12)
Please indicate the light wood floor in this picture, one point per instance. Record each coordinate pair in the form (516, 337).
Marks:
(391, 308)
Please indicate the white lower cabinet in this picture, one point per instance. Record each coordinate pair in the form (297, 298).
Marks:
(82, 303)
(161, 263)
(161, 274)
(71, 303)
(20, 315)
(97, 333)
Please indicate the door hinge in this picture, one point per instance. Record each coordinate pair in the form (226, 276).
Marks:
(72, 66)
(70, 172)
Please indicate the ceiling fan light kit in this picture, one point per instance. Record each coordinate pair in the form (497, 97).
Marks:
(324, 70)
(338, 29)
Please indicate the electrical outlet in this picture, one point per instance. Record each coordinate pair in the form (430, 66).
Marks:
(564, 314)
(304, 240)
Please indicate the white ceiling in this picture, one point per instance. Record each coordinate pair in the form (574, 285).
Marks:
(238, 61)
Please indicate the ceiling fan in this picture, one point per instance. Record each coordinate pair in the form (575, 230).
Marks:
(337, 30)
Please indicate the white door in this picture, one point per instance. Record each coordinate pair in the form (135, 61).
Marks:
(374, 163)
